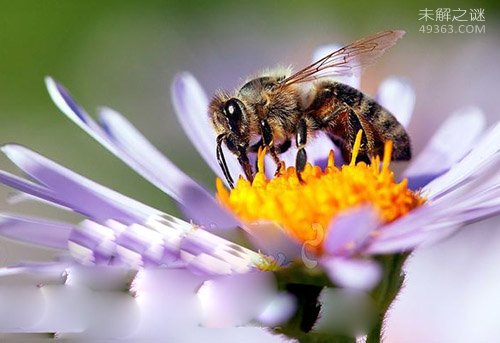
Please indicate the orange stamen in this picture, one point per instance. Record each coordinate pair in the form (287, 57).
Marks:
(302, 208)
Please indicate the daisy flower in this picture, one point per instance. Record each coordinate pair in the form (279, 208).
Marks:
(334, 242)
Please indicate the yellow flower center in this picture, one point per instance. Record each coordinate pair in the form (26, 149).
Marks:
(301, 208)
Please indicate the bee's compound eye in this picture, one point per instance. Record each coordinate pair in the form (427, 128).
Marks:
(232, 109)
(233, 112)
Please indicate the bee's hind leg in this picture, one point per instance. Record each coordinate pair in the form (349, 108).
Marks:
(301, 141)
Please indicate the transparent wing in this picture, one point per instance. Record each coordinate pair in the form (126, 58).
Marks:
(349, 59)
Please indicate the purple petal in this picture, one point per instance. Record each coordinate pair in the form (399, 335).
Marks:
(42, 232)
(348, 231)
(50, 271)
(162, 241)
(197, 203)
(406, 242)
(484, 153)
(396, 95)
(63, 100)
(128, 144)
(199, 242)
(438, 218)
(72, 190)
(317, 149)
(353, 80)
(223, 304)
(448, 145)
(409, 231)
(92, 243)
(352, 273)
(31, 188)
(273, 241)
(191, 106)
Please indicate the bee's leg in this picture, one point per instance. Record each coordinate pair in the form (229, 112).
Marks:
(301, 141)
(256, 146)
(268, 141)
(222, 161)
(245, 164)
(283, 147)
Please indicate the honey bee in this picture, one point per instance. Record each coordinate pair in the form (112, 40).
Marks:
(276, 108)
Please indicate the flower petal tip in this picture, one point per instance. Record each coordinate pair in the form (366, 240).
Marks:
(398, 96)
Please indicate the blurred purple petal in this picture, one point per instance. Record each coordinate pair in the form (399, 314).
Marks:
(352, 273)
(168, 302)
(447, 146)
(273, 241)
(191, 105)
(349, 230)
(281, 308)
(75, 191)
(22, 308)
(51, 270)
(101, 278)
(352, 80)
(223, 304)
(396, 95)
(42, 232)
(197, 203)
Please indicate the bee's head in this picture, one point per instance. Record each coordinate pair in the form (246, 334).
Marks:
(229, 119)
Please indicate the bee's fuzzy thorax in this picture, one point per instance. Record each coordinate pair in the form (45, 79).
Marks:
(278, 72)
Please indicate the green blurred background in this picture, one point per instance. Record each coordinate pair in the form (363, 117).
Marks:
(124, 54)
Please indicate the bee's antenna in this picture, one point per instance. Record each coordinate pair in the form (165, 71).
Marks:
(222, 160)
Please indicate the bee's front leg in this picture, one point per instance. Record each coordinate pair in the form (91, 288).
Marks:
(245, 163)
(301, 141)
